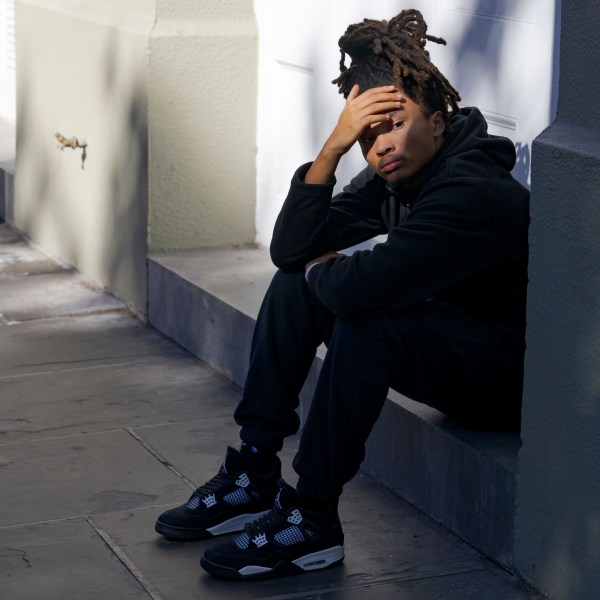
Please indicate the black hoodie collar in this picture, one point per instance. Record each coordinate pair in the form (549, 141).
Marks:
(468, 131)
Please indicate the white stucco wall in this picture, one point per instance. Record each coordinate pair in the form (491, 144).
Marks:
(164, 93)
(82, 72)
(202, 78)
(499, 56)
(7, 61)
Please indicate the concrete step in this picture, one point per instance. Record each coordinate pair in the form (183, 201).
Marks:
(207, 300)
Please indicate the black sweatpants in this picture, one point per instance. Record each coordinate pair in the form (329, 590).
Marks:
(433, 353)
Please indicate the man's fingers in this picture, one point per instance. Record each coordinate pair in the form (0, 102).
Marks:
(323, 258)
(376, 99)
(361, 111)
(386, 105)
(354, 92)
(381, 91)
(373, 121)
(381, 110)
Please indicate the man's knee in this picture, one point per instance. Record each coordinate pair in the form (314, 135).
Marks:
(291, 289)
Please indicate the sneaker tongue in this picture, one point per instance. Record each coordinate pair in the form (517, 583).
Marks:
(232, 462)
(287, 496)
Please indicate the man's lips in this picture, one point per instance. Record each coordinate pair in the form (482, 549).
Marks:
(388, 164)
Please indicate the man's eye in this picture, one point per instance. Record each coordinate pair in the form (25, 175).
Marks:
(367, 140)
(398, 124)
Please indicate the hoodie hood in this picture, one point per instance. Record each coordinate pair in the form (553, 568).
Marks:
(469, 132)
(468, 137)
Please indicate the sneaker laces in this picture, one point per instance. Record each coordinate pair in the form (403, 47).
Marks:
(263, 524)
(212, 485)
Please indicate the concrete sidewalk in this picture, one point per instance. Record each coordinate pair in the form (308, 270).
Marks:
(104, 424)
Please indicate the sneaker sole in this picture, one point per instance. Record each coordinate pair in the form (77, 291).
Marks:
(311, 562)
(187, 534)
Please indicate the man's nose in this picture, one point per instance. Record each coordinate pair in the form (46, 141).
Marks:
(384, 144)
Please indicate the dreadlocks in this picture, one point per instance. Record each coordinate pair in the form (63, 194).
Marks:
(394, 52)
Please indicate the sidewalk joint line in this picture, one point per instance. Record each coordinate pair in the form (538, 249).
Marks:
(43, 522)
(159, 457)
(133, 358)
(373, 583)
(84, 517)
(72, 315)
(62, 371)
(126, 561)
(26, 438)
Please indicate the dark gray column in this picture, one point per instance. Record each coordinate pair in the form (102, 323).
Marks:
(557, 534)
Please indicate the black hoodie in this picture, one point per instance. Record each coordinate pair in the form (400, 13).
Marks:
(458, 237)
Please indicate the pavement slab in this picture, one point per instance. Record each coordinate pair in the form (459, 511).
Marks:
(18, 259)
(105, 396)
(390, 544)
(66, 560)
(196, 448)
(34, 286)
(52, 294)
(105, 424)
(475, 585)
(9, 235)
(81, 475)
(64, 376)
(385, 542)
(63, 343)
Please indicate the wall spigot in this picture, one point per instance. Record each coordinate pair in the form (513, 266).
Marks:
(73, 143)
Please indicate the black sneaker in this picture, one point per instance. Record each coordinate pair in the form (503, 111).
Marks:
(287, 540)
(233, 497)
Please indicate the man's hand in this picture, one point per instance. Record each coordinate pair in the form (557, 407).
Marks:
(361, 111)
(321, 259)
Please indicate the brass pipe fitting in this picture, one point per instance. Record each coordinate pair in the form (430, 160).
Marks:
(72, 143)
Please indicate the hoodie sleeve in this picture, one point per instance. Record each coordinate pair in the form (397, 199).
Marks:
(448, 236)
(312, 222)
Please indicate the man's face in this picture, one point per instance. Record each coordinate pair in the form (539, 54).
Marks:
(402, 146)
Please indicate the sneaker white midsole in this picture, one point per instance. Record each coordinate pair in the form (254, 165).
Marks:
(310, 562)
(235, 523)
(321, 559)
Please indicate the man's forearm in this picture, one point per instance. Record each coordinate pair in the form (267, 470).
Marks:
(323, 167)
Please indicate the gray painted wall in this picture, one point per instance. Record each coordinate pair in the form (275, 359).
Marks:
(557, 533)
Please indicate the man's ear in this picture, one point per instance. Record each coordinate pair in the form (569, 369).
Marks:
(438, 123)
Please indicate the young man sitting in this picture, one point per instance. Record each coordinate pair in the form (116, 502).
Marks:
(437, 311)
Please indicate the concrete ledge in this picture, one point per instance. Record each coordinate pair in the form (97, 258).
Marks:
(207, 300)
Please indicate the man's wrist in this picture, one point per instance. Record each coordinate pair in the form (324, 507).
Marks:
(331, 153)
(323, 168)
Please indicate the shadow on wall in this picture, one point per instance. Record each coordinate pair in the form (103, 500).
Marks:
(523, 165)
(126, 214)
(96, 218)
(480, 50)
(35, 177)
